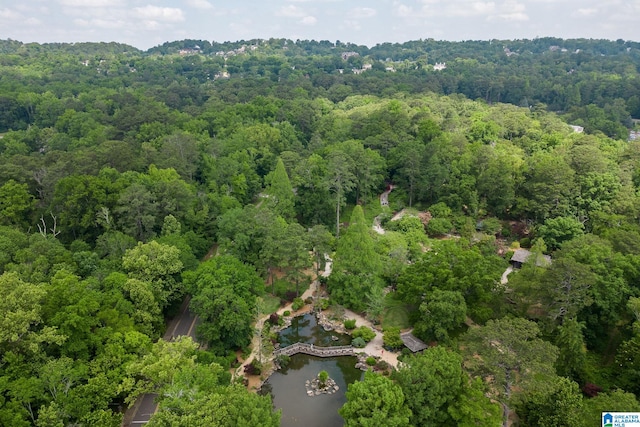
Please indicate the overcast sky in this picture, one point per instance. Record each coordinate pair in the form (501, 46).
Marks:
(146, 23)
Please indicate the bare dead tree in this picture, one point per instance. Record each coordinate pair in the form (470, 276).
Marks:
(45, 229)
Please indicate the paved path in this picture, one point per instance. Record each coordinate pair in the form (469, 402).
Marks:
(145, 408)
(182, 325)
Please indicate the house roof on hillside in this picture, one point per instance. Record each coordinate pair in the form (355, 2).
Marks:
(522, 255)
(412, 343)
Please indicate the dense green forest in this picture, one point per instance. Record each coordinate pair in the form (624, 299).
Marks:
(120, 170)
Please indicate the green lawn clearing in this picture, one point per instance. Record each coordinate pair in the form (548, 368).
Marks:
(271, 304)
(395, 313)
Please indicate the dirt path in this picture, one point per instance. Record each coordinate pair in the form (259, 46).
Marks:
(375, 347)
(384, 197)
(376, 225)
(398, 215)
(256, 381)
(505, 279)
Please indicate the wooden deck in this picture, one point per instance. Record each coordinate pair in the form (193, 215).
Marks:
(314, 350)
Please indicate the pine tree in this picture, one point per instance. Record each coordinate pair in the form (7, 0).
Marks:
(280, 193)
(357, 266)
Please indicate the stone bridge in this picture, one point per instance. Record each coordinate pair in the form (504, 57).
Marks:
(313, 350)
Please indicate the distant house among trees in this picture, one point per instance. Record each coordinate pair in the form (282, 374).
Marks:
(520, 256)
(347, 55)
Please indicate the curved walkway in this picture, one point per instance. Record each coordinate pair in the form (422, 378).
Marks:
(375, 347)
(310, 292)
(312, 350)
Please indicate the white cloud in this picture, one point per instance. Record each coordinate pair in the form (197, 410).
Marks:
(362, 12)
(34, 22)
(151, 25)
(482, 7)
(587, 11)
(291, 11)
(107, 24)
(200, 4)
(155, 13)
(352, 24)
(510, 11)
(91, 3)
(403, 11)
(508, 17)
(434, 8)
(477, 8)
(7, 13)
(308, 20)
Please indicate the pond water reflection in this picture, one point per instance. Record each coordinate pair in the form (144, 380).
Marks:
(289, 393)
(287, 386)
(306, 329)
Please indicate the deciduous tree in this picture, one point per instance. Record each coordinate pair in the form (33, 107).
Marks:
(431, 382)
(510, 351)
(375, 401)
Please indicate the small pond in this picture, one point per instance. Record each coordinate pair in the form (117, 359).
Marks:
(305, 328)
(287, 386)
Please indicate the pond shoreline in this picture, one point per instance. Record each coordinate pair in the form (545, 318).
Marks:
(329, 324)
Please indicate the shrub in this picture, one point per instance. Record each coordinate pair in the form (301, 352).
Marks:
(297, 304)
(391, 338)
(274, 318)
(371, 361)
(290, 296)
(308, 300)
(338, 311)
(381, 365)
(365, 333)
(253, 368)
(286, 313)
(439, 227)
(323, 304)
(350, 324)
(591, 390)
(384, 218)
(358, 343)
(283, 360)
(323, 376)
(491, 225)
(440, 210)
(280, 288)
